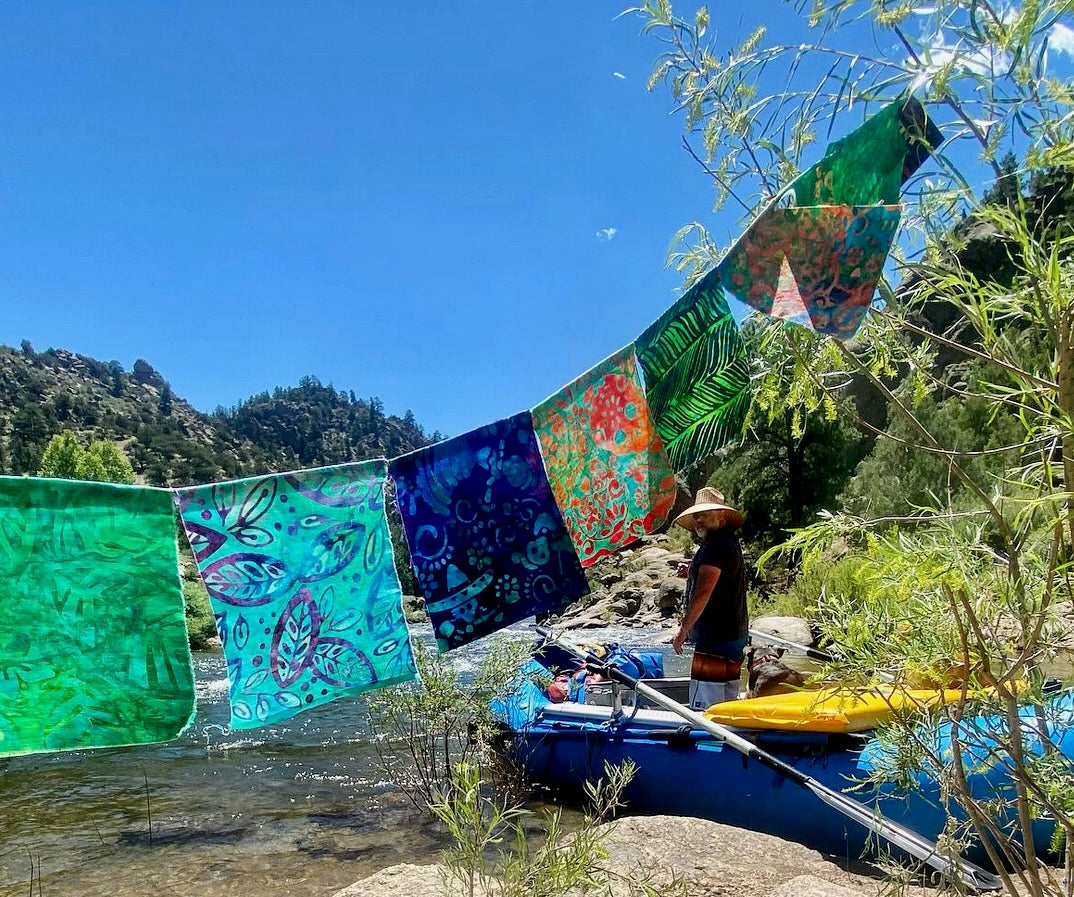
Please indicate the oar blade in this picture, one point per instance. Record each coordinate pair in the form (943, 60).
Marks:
(909, 841)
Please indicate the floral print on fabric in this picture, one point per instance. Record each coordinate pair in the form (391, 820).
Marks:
(301, 577)
(816, 266)
(487, 542)
(606, 463)
(95, 651)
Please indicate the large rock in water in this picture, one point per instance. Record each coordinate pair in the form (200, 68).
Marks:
(714, 861)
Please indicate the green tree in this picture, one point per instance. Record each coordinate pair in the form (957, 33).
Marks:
(115, 466)
(102, 462)
(63, 457)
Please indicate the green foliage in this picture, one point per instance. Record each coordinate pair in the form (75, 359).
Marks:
(114, 465)
(493, 852)
(103, 461)
(200, 622)
(965, 379)
(424, 730)
(313, 424)
(63, 457)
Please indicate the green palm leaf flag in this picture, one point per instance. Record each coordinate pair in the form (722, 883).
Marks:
(93, 643)
(696, 374)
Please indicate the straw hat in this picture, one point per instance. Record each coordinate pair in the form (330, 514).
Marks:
(709, 499)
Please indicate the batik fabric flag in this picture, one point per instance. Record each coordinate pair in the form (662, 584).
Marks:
(301, 577)
(487, 541)
(696, 371)
(605, 460)
(870, 164)
(814, 266)
(93, 643)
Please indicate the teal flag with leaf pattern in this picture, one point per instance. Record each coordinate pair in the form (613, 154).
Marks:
(300, 574)
(93, 642)
(697, 378)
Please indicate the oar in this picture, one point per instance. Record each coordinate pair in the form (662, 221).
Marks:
(822, 656)
(906, 839)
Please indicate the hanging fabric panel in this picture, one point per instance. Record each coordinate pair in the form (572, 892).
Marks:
(487, 541)
(605, 460)
(93, 643)
(300, 574)
(696, 371)
(815, 266)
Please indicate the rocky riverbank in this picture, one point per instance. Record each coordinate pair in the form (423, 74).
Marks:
(637, 587)
(712, 860)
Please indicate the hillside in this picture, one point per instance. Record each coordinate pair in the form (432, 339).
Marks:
(168, 441)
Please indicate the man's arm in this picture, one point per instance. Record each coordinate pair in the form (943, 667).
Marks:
(707, 576)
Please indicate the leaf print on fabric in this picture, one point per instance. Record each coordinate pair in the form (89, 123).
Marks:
(241, 505)
(817, 266)
(696, 373)
(245, 579)
(325, 574)
(475, 509)
(294, 638)
(333, 549)
(340, 663)
(605, 460)
(91, 589)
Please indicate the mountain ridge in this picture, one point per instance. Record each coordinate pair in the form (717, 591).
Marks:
(168, 441)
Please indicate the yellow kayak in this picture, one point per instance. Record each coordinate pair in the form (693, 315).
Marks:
(826, 709)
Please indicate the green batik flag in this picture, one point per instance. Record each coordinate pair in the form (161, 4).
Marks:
(93, 643)
(696, 374)
(870, 164)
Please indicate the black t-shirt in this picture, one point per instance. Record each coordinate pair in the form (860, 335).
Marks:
(725, 617)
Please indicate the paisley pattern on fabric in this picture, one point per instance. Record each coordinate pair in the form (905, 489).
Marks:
(816, 266)
(487, 542)
(605, 461)
(94, 650)
(301, 577)
(696, 371)
(870, 164)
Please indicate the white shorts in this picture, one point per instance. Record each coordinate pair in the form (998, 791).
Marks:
(704, 694)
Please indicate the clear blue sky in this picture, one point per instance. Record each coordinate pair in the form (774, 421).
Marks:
(402, 199)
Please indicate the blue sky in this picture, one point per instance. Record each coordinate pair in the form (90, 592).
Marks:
(457, 208)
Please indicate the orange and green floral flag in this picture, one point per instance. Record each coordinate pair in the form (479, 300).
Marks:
(93, 642)
(815, 266)
(605, 459)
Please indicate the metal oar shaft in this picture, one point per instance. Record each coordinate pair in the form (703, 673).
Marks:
(815, 653)
(908, 840)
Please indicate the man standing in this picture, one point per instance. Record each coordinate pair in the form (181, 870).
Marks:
(716, 613)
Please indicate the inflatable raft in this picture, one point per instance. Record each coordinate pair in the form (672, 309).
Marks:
(828, 735)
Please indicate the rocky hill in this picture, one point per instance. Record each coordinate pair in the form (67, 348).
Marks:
(170, 442)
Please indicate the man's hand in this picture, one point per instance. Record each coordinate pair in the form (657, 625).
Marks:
(679, 639)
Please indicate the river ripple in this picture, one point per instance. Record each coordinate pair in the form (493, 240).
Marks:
(293, 809)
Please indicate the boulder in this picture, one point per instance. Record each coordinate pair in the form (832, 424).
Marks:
(793, 629)
(811, 886)
(713, 860)
(404, 879)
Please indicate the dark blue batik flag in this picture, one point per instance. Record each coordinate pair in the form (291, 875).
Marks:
(487, 541)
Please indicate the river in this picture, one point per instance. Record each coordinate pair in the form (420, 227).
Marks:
(295, 809)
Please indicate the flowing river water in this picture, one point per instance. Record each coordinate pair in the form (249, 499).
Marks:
(293, 809)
